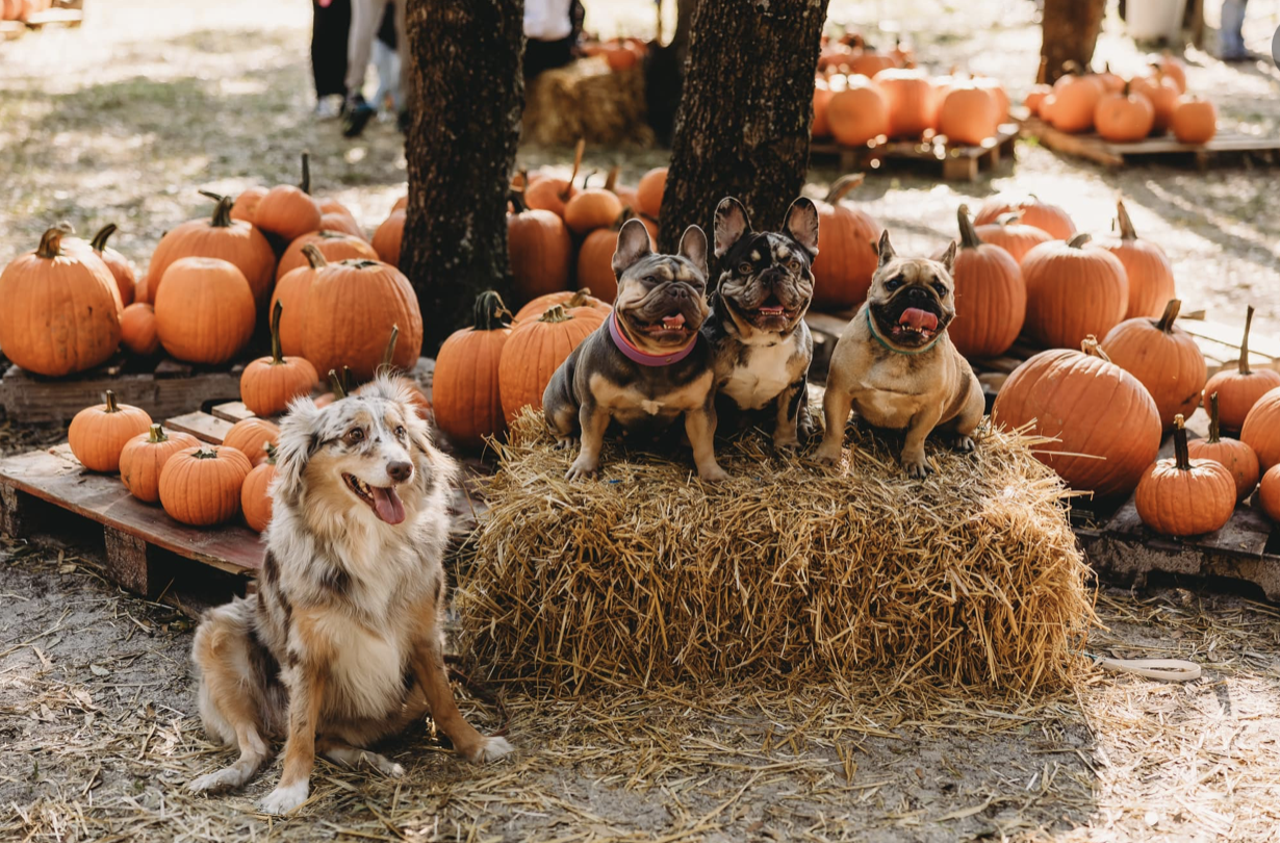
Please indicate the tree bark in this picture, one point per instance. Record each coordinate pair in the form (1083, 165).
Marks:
(1071, 30)
(742, 128)
(664, 72)
(466, 101)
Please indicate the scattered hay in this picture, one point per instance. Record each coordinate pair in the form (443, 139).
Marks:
(970, 578)
(588, 100)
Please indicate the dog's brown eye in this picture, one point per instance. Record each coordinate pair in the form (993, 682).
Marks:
(893, 284)
(355, 434)
(399, 432)
(941, 289)
(793, 265)
(745, 268)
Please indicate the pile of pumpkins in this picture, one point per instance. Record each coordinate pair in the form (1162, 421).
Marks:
(621, 53)
(1147, 104)
(21, 10)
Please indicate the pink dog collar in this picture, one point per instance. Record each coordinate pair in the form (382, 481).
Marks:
(644, 358)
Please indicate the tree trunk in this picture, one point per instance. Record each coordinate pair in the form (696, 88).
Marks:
(664, 72)
(466, 101)
(743, 124)
(1071, 30)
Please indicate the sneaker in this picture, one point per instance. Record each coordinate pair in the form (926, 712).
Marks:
(358, 115)
(329, 108)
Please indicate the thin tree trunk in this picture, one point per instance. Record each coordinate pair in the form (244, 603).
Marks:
(743, 124)
(1071, 30)
(468, 94)
(664, 72)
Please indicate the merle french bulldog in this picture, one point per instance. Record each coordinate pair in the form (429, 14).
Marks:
(761, 345)
(647, 365)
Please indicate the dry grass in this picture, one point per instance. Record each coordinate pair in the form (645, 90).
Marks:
(587, 100)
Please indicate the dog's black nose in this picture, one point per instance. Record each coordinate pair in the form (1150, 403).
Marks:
(919, 293)
(399, 471)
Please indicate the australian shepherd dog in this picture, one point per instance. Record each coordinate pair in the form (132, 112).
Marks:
(342, 644)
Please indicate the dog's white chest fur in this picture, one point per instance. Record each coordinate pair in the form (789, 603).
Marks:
(368, 668)
(758, 383)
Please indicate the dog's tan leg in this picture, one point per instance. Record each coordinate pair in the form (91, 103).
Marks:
(970, 416)
(340, 752)
(594, 423)
(922, 423)
(428, 668)
(306, 693)
(700, 427)
(785, 430)
(836, 406)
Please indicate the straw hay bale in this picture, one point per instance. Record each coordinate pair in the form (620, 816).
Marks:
(586, 99)
(969, 578)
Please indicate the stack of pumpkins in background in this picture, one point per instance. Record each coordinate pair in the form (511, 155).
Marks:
(1149, 103)
(21, 10)
(621, 53)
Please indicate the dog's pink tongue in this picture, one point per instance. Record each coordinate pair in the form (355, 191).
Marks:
(676, 321)
(918, 319)
(388, 504)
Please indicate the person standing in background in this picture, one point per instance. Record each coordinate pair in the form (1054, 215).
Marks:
(1230, 40)
(386, 58)
(330, 22)
(552, 28)
(366, 17)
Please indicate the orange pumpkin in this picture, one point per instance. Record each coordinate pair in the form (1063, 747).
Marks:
(389, 237)
(335, 246)
(1073, 290)
(61, 309)
(550, 194)
(847, 238)
(291, 292)
(400, 204)
(268, 384)
(418, 398)
(349, 311)
(1148, 269)
(871, 63)
(571, 300)
(1093, 408)
(1184, 496)
(1237, 457)
(1035, 97)
(857, 112)
(913, 103)
(1163, 94)
(1075, 101)
(1169, 66)
(468, 405)
(255, 494)
(245, 206)
(1163, 357)
(121, 267)
(251, 437)
(1044, 216)
(991, 298)
(1240, 389)
(201, 486)
(204, 310)
(1261, 430)
(329, 205)
(1269, 493)
(968, 114)
(595, 262)
(98, 434)
(590, 209)
(1111, 83)
(649, 192)
(532, 354)
(540, 250)
(143, 457)
(342, 223)
(1194, 121)
(234, 241)
(820, 127)
(1124, 116)
(287, 211)
(138, 329)
(1011, 235)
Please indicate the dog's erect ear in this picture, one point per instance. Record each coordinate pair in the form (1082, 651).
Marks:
(885, 248)
(802, 224)
(633, 244)
(949, 258)
(693, 245)
(300, 437)
(731, 224)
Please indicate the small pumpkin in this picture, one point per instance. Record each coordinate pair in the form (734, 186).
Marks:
(1163, 357)
(1013, 236)
(650, 190)
(532, 354)
(1184, 496)
(570, 299)
(590, 209)
(234, 241)
(61, 309)
(968, 114)
(245, 206)
(204, 311)
(1124, 116)
(143, 457)
(121, 267)
(251, 437)
(268, 384)
(349, 311)
(551, 194)
(201, 486)
(1092, 408)
(1269, 493)
(1194, 121)
(1073, 290)
(99, 433)
(1075, 101)
(1035, 96)
(990, 296)
(288, 211)
(540, 250)
(1261, 430)
(255, 493)
(389, 238)
(334, 245)
(1237, 457)
(138, 329)
(847, 238)
(1042, 215)
(1163, 94)
(1169, 66)
(291, 292)
(468, 405)
(1146, 266)
(857, 111)
(595, 261)
(1240, 389)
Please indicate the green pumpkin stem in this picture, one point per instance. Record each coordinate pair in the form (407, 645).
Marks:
(51, 242)
(221, 211)
(337, 386)
(611, 180)
(277, 353)
(1079, 240)
(314, 256)
(1182, 457)
(157, 434)
(112, 406)
(1171, 310)
(969, 238)
(577, 164)
(1244, 343)
(205, 453)
(99, 241)
(305, 184)
(555, 313)
(587, 178)
(390, 353)
(1126, 224)
(843, 186)
(490, 313)
(1215, 431)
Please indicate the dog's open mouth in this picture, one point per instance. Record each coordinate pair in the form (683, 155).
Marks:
(383, 500)
(672, 328)
(915, 326)
(771, 312)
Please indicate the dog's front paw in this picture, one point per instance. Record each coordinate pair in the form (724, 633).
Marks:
(582, 468)
(564, 443)
(786, 441)
(828, 454)
(227, 778)
(963, 444)
(284, 799)
(490, 749)
(713, 474)
(916, 465)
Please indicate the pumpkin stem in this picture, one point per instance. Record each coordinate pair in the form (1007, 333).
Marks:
(314, 256)
(969, 238)
(626, 214)
(305, 184)
(1244, 343)
(362, 263)
(389, 354)
(1043, 73)
(843, 186)
(555, 313)
(587, 178)
(578, 299)
(611, 180)
(1009, 218)
(336, 386)
(1182, 456)
(99, 241)
(524, 180)
(1091, 347)
(221, 211)
(277, 353)
(206, 453)
(158, 434)
(517, 202)
(1214, 430)
(577, 163)
(112, 406)
(490, 313)
(1170, 313)
(1126, 224)
(1079, 240)
(348, 380)
(51, 242)
(271, 453)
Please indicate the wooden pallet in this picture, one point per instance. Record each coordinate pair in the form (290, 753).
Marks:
(1166, 149)
(56, 17)
(958, 162)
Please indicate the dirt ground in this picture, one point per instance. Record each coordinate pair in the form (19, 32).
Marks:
(121, 120)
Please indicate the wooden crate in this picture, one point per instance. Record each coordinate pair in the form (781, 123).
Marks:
(956, 162)
(1222, 147)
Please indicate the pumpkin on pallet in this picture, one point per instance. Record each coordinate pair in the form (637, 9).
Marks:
(968, 114)
(334, 245)
(143, 458)
(204, 310)
(1261, 430)
(1043, 215)
(61, 309)
(1146, 267)
(1195, 120)
(1184, 496)
(255, 494)
(121, 267)
(912, 100)
(349, 310)
(251, 437)
(1164, 358)
(98, 434)
(200, 486)
(234, 241)
(540, 250)
(1237, 457)
(468, 405)
(847, 238)
(1074, 290)
(1124, 116)
(1011, 234)
(268, 384)
(138, 329)
(1269, 493)
(857, 111)
(990, 296)
(288, 211)
(534, 351)
(1240, 389)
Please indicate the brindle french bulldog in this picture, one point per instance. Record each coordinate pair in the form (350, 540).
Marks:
(648, 364)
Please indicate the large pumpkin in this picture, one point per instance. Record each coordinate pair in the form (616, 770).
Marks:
(59, 309)
(847, 238)
(144, 456)
(570, 299)
(1164, 358)
(1147, 268)
(389, 237)
(1010, 234)
(121, 267)
(201, 486)
(1237, 457)
(349, 311)
(222, 237)
(1073, 290)
(1105, 424)
(268, 384)
(551, 194)
(1269, 493)
(532, 354)
(912, 100)
(968, 114)
(251, 437)
(204, 311)
(98, 434)
(540, 250)
(1124, 116)
(1184, 496)
(1261, 430)
(1240, 388)
(991, 298)
(287, 211)
(1042, 215)
(255, 494)
(334, 245)
(291, 292)
(138, 329)
(857, 112)
(468, 405)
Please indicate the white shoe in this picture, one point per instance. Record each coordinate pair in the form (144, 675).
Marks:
(329, 108)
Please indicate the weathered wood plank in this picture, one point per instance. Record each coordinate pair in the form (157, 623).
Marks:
(202, 426)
